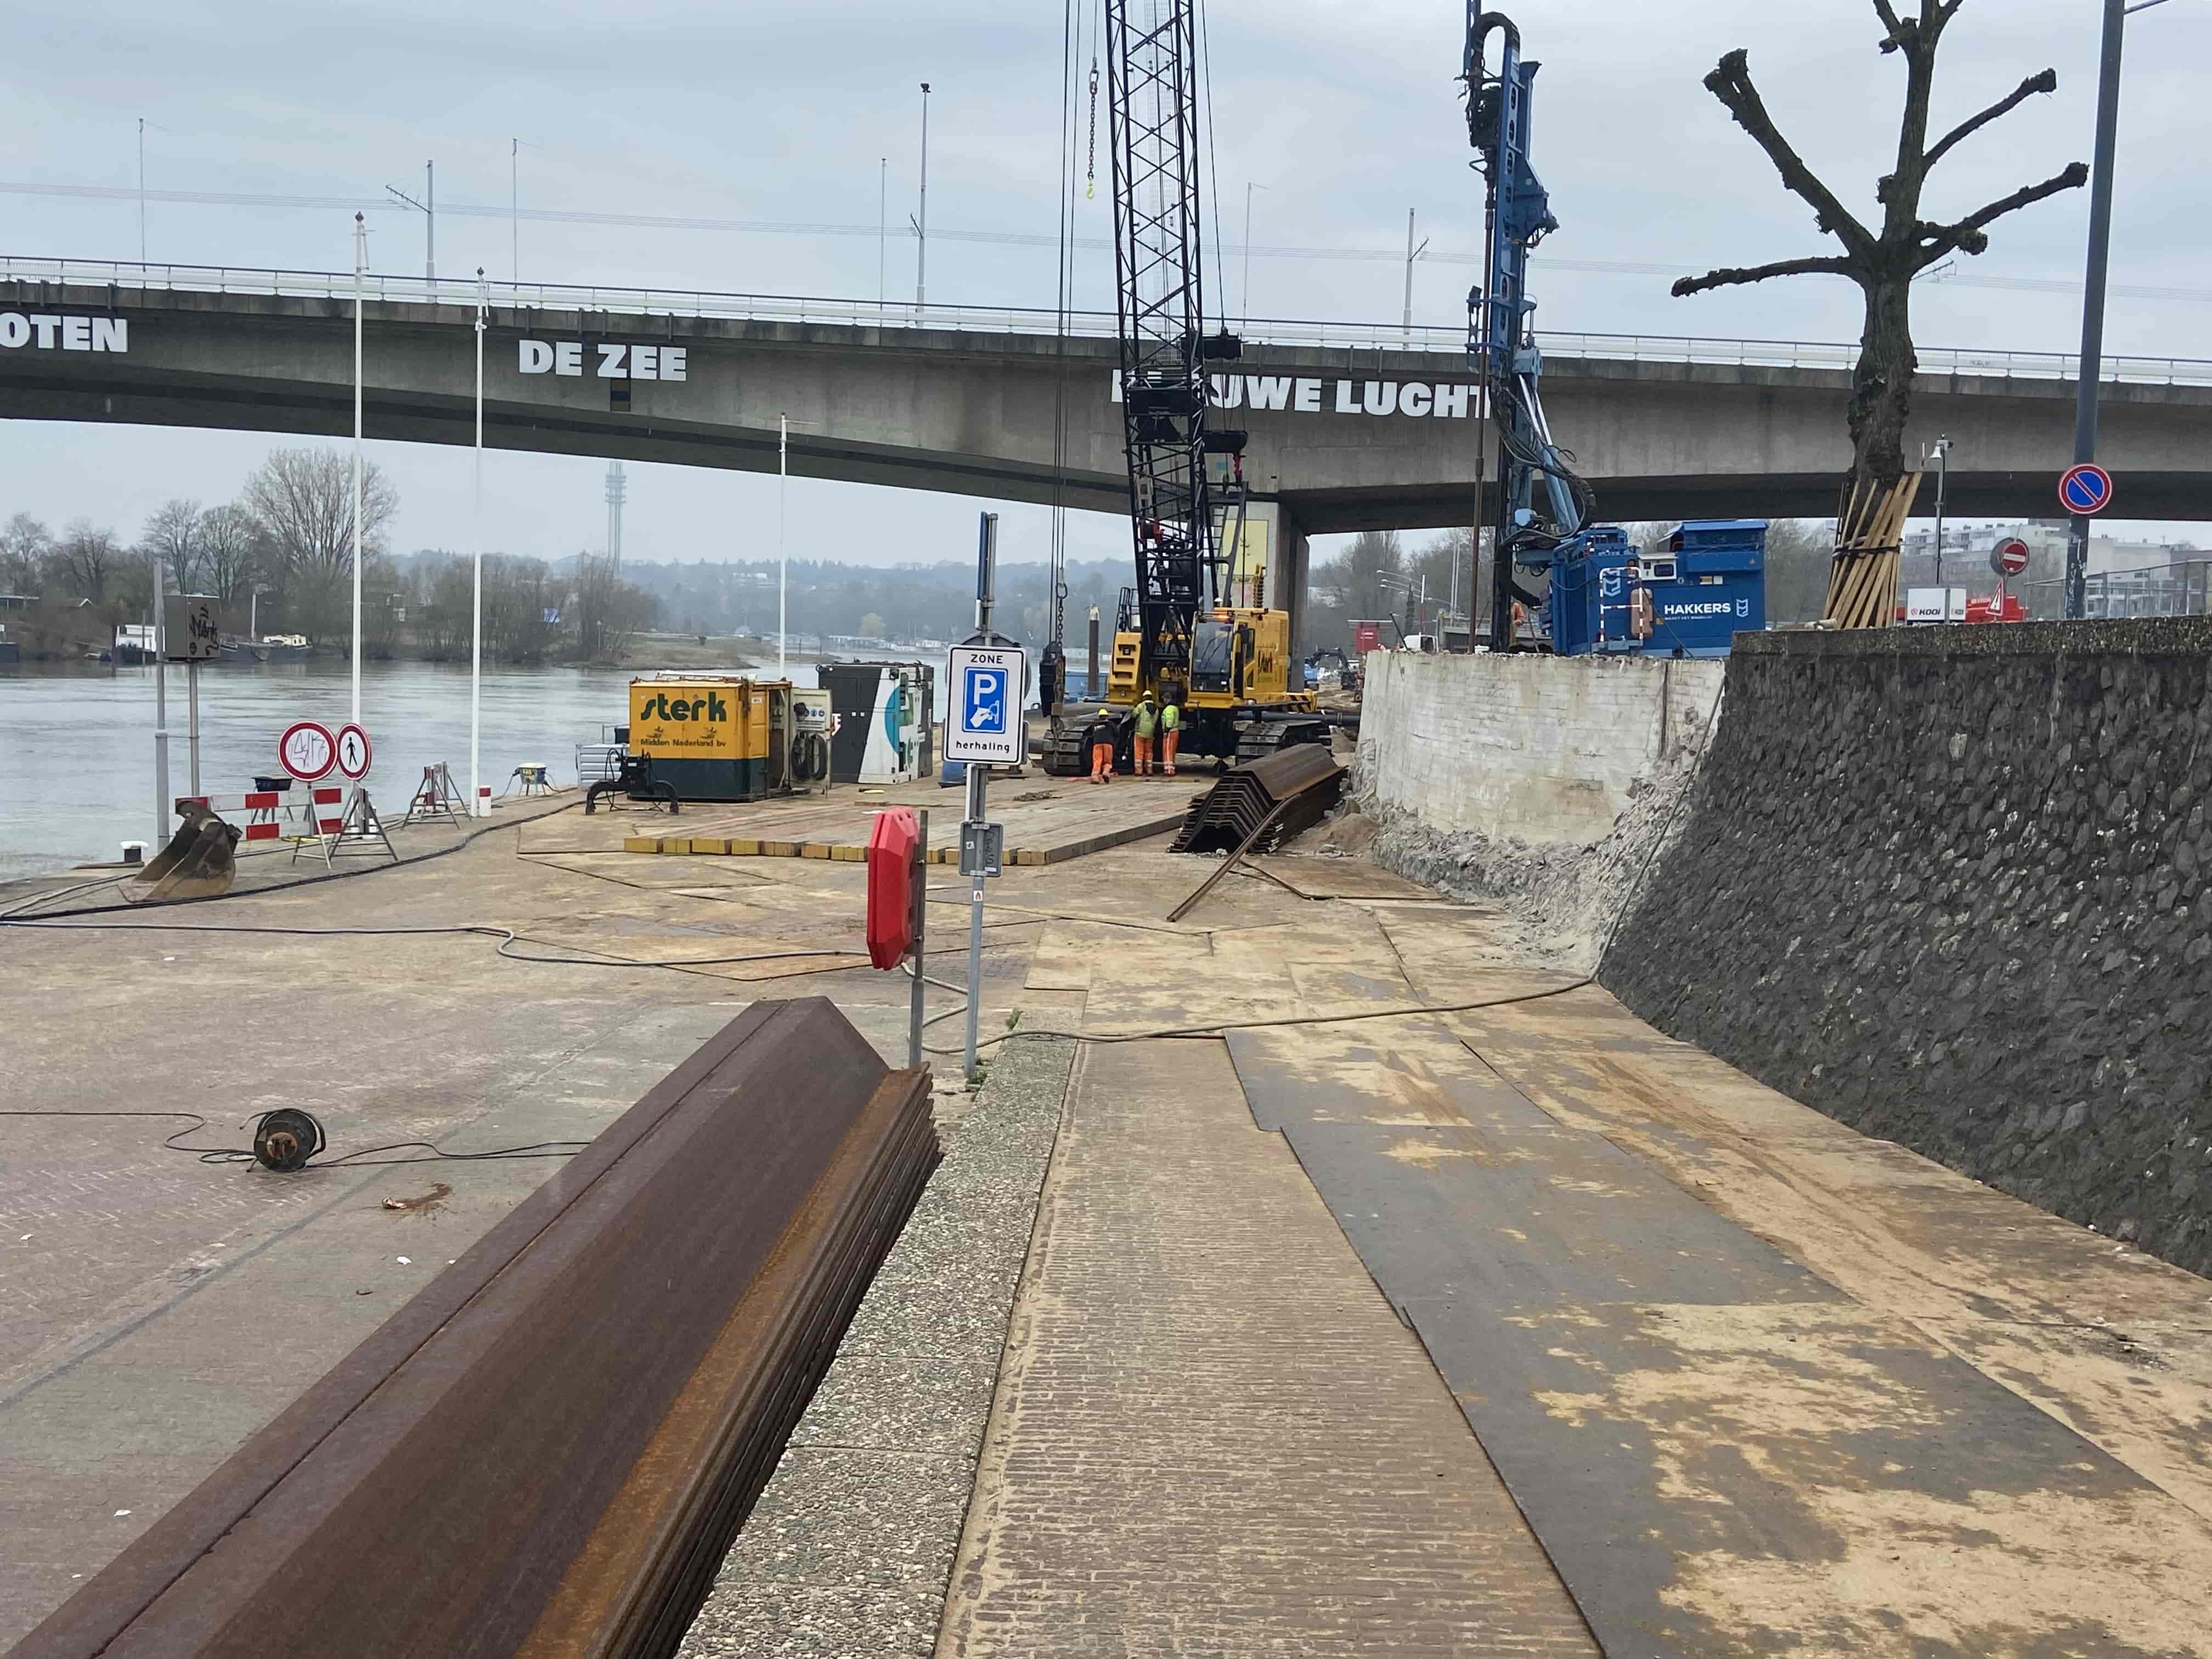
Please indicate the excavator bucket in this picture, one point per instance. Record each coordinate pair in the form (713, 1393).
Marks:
(199, 862)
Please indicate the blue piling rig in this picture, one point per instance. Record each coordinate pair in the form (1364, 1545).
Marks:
(1542, 500)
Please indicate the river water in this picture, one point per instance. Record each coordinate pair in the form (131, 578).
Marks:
(77, 743)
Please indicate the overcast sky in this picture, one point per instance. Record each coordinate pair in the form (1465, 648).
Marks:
(1344, 115)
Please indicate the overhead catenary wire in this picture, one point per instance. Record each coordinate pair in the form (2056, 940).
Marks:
(993, 238)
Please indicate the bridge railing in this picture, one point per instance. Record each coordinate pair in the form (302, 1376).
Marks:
(1018, 320)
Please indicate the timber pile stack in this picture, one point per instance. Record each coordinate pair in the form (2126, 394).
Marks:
(549, 1449)
(1263, 802)
(1869, 540)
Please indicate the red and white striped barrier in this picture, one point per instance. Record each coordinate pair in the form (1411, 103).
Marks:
(323, 805)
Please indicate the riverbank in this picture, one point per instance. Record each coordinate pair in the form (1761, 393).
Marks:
(1321, 1337)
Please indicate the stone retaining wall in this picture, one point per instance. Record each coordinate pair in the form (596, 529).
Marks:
(1947, 886)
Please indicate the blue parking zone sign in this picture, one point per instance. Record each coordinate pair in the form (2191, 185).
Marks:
(983, 692)
(989, 683)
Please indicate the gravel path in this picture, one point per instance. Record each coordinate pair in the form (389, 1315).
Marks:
(850, 1548)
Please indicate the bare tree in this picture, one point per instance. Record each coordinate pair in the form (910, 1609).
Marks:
(1882, 262)
(229, 538)
(304, 500)
(87, 558)
(172, 536)
(25, 546)
(610, 612)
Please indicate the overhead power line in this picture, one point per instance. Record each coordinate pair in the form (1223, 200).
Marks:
(991, 238)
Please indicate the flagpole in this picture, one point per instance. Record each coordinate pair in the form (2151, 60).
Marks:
(476, 807)
(782, 556)
(360, 274)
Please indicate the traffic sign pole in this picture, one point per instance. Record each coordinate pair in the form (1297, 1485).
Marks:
(987, 551)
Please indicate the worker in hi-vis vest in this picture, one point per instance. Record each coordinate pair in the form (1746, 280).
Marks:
(1148, 723)
(1170, 731)
(1100, 736)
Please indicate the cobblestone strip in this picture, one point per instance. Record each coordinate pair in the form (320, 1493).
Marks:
(850, 1548)
(1212, 1434)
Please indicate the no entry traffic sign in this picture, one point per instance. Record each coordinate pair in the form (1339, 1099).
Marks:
(2009, 557)
(2085, 488)
(308, 751)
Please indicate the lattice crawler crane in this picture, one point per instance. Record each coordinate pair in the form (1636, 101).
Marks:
(1178, 635)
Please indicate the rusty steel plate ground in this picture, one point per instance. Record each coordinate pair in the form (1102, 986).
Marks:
(1708, 1439)
(547, 1451)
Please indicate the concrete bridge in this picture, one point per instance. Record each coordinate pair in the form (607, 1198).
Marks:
(1352, 426)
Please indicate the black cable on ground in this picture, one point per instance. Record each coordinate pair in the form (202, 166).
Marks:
(11, 918)
(1219, 1029)
(364, 1159)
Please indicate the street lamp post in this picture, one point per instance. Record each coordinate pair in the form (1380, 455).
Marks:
(1249, 188)
(1411, 254)
(921, 221)
(2092, 286)
(428, 207)
(1940, 452)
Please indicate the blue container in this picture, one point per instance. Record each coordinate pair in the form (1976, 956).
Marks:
(1709, 583)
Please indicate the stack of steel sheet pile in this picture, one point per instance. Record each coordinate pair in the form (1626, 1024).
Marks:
(549, 1449)
(1263, 802)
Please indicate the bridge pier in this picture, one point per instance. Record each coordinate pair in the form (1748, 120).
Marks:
(1287, 554)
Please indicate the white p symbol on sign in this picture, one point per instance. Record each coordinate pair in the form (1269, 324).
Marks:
(987, 699)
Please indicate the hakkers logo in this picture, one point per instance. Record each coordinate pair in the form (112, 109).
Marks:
(1718, 608)
(661, 706)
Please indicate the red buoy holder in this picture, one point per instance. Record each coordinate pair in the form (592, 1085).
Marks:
(898, 903)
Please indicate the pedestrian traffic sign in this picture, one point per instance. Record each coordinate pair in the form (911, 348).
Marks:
(985, 722)
(353, 751)
(308, 751)
(2084, 488)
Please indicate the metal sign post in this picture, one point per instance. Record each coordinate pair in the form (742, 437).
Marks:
(983, 727)
(187, 633)
(921, 931)
(161, 803)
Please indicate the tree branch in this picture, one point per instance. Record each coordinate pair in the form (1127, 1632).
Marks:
(1836, 264)
(1969, 235)
(2047, 82)
(1730, 82)
(1891, 21)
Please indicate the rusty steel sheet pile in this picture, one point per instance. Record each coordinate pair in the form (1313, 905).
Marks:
(1259, 805)
(548, 1451)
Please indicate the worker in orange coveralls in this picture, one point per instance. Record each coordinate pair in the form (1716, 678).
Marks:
(1170, 731)
(1100, 737)
(1148, 723)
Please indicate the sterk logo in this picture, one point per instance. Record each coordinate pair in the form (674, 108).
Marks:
(710, 707)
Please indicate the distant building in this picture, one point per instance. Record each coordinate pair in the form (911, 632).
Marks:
(2124, 578)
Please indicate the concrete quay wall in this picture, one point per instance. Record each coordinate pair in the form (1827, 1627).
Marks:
(1947, 886)
(1524, 748)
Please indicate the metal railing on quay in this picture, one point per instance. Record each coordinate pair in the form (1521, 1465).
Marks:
(1682, 349)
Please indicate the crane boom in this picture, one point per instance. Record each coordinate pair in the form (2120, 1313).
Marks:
(1501, 345)
(1152, 106)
